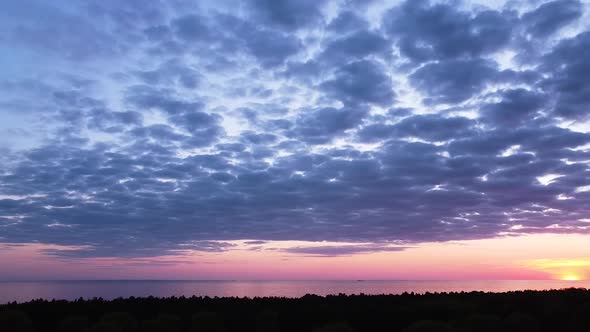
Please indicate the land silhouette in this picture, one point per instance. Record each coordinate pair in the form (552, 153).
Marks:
(521, 311)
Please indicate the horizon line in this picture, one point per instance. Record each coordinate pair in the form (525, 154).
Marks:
(286, 280)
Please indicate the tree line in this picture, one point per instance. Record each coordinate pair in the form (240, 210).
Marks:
(522, 311)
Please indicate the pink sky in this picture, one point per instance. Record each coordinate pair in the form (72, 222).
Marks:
(547, 256)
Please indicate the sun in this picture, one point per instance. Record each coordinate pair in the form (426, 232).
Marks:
(571, 277)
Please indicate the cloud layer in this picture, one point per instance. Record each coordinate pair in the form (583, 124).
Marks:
(139, 129)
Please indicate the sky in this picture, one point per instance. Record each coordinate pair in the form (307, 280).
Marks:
(294, 139)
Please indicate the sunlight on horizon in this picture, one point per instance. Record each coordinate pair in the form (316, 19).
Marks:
(571, 277)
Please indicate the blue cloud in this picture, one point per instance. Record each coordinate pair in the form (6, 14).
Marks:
(143, 129)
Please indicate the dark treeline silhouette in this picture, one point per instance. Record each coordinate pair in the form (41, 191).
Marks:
(558, 310)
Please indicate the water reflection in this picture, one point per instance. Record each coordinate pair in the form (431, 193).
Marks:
(24, 291)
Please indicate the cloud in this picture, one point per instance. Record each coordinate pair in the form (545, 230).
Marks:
(345, 250)
(170, 73)
(426, 31)
(453, 81)
(287, 14)
(322, 125)
(427, 127)
(357, 45)
(566, 66)
(270, 47)
(192, 28)
(347, 21)
(362, 81)
(153, 129)
(516, 106)
(89, 252)
(551, 16)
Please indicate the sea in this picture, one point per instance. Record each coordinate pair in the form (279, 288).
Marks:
(22, 291)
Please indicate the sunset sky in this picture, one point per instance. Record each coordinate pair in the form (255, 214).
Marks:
(294, 139)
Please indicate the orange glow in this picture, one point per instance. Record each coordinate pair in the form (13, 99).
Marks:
(563, 269)
(553, 263)
(571, 277)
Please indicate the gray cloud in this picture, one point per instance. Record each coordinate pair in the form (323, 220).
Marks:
(516, 106)
(357, 45)
(334, 251)
(287, 14)
(440, 31)
(157, 129)
(360, 82)
(428, 127)
(453, 81)
(322, 125)
(551, 16)
(566, 65)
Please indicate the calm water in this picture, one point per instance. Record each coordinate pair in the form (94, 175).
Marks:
(24, 291)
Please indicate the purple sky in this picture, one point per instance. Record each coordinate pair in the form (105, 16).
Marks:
(139, 130)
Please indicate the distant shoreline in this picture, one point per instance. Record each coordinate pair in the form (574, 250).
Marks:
(352, 295)
(23, 291)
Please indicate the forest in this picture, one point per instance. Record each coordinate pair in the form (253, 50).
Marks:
(554, 310)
